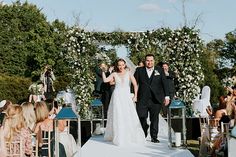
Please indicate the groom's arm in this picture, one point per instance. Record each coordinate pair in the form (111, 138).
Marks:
(136, 74)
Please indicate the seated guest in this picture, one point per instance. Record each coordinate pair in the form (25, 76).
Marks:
(29, 115)
(44, 123)
(4, 104)
(225, 116)
(16, 130)
(228, 102)
(67, 139)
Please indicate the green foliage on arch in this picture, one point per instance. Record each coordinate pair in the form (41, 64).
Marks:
(181, 48)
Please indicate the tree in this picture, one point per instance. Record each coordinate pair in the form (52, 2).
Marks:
(27, 40)
(229, 51)
(209, 59)
(225, 56)
(27, 43)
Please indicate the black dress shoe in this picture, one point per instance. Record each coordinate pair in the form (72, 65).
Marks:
(146, 130)
(155, 140)
(145, 134)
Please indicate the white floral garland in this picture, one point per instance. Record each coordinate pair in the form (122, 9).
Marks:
(181, 48)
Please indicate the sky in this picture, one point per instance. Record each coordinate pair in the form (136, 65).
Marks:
(215, 17)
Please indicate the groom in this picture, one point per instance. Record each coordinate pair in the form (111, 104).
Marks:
(152, 92)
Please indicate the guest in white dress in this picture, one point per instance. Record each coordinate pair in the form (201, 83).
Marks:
(123, 125)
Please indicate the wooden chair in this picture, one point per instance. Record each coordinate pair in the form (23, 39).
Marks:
(45, 144)
(14, 148)
(223, 139)
(210, 135)
(203, 121)
(204, 138)
(34, 144)
(214, 132)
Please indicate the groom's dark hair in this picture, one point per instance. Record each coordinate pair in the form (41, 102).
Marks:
(149, 55)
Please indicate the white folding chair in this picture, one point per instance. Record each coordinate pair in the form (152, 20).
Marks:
(204, 138)
(14, 148)
(200, 105)
(34, 144)
(46, 142)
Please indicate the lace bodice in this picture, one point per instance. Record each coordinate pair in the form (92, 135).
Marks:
(122, 81)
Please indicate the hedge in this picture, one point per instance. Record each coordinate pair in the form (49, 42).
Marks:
(14, 88)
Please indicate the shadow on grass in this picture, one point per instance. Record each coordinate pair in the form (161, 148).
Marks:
(193, 147)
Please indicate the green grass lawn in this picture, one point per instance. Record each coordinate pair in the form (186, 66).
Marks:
(193, 147)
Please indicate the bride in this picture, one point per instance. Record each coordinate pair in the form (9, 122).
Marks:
(123, 125)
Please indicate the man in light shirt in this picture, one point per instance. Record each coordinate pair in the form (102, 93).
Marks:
(152, 92)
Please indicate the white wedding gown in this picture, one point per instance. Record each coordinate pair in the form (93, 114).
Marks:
(123, 125)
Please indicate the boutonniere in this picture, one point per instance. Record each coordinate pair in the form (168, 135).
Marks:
(156, 73)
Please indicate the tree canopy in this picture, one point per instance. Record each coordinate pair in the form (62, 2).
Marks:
(27, 40)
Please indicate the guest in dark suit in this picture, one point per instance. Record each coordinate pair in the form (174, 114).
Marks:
(170, 76)
(152, 92)
(98, 81)
(106, 91)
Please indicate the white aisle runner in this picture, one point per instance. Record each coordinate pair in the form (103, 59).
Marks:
(97, 147)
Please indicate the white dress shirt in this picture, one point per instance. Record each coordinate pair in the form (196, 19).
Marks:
(149, 71)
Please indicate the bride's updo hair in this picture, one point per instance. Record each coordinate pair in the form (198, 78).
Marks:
(116, 64)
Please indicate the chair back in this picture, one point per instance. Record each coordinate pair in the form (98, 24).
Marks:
(206, 93)
(214, 131)
(204, 129)
(224, 128)
(34, 144)
(15, 148)
(46, 143)
(200, 106)
(204, 139)
(204, 123)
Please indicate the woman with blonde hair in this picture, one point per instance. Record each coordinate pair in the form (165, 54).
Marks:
(15, 130)
(45, 123)
(29, 115)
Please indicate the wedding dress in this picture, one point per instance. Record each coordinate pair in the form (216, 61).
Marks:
(123, 125)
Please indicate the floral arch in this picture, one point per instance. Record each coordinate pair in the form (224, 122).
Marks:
(181, 48)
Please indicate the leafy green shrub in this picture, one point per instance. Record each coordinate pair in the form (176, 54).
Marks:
(14, 88)
(61, 83)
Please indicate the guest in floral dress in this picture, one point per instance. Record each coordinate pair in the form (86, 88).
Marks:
(14, 129)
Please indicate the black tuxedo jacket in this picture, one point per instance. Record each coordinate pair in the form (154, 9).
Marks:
(99, 80)
(155, 88)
